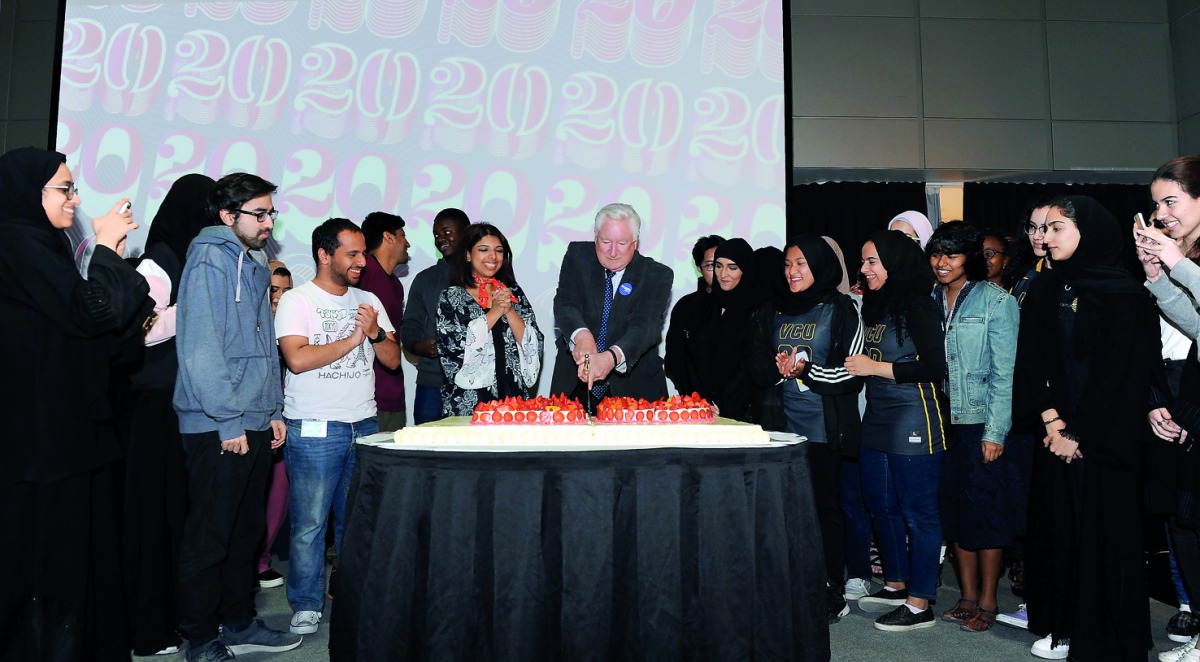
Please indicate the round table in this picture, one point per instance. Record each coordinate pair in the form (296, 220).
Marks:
(656, 554)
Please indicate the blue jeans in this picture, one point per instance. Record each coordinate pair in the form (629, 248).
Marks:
(858, 522)
(427, 404)
(1176, 578)
(901, 492)
(319, 471)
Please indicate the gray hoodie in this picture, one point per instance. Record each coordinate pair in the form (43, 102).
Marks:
(225, 339)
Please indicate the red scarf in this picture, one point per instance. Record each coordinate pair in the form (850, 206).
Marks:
(482, 284)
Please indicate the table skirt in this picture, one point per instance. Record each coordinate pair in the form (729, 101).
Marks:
(658, 554)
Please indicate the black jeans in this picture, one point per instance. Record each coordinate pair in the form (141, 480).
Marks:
(225, 522)
(825, 463)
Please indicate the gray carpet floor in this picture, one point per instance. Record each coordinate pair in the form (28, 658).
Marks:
(854, 639)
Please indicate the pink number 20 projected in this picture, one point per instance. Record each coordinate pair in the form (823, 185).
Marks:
(530, 114)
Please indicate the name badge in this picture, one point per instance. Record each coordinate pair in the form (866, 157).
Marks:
(309, 428)
(625, 289)
(914, 440)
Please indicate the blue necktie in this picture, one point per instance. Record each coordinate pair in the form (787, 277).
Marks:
(600, 389)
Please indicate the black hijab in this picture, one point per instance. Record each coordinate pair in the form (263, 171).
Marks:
(182, 215)
(768, 264)
(1097, 260)
(908, 278)
(748, 293)
(826, 271)
(1095, 271)
(24, 172)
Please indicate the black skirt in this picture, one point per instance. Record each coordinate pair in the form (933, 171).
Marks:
(983, 506)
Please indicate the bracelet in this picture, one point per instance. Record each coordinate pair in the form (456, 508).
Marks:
(616, 359)
(1056, 418)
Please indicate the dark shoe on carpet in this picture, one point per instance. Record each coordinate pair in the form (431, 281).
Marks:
(836, 604)
(1183, 626)
(209, 651)
(269, 578)
(883, 600)
(901, 619)
(257, 637)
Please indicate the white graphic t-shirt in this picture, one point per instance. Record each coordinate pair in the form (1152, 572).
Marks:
(345, 389)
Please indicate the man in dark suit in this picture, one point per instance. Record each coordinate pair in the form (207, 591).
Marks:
(614, 353)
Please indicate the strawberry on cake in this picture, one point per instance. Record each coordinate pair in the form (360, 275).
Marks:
(554, 410)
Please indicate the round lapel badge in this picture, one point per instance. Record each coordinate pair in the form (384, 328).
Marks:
(625, 289)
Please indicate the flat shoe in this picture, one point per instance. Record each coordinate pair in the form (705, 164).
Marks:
(982, 621)
(958, 613)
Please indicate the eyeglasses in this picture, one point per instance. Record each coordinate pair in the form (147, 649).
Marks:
(989, 253)
(1031, 229)
(258, 215)
(70, 190)
(706, 266)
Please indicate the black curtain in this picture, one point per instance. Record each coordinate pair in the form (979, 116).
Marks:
(1006, 206)
(850, 211)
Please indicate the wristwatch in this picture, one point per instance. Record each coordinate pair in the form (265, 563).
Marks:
(379, 337)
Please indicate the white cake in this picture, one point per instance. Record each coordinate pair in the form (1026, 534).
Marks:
(458, 432)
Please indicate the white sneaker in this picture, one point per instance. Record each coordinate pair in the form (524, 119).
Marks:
(305, 622)
(1178, 653)
(1016, 619)
(855, 589)
(1045, 649)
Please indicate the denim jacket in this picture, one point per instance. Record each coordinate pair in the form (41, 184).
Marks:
(981, 351)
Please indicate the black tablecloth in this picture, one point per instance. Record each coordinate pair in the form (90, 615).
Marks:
(661, 554)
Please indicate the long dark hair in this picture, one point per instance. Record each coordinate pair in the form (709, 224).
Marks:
(460, 269)
(1185, 171)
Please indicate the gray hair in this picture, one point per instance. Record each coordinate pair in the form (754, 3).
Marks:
(619, 211)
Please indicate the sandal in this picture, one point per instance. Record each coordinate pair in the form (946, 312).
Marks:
(982, 621)
(960, 614)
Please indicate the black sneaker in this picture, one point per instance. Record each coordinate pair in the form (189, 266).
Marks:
(883, 600)
(1183, 626)
(269, 578)
(901, 619)
(209, 651)
(258, 637)
(836, 604)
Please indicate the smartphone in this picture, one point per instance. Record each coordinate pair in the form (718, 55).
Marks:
(129, 205)
(1141, 220)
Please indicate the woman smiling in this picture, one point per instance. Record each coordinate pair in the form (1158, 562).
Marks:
(979, 483)
(903, 427)
(723, 344)
(55, 481)
(1088, 345)
(487, 336)
(813, 329)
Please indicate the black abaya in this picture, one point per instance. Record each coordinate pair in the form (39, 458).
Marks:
(1087, 348)
(56, 345)
(156, 479)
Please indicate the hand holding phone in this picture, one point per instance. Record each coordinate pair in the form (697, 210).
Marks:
(1141, 221)
(112, 227)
